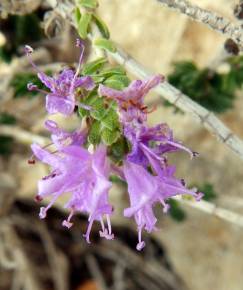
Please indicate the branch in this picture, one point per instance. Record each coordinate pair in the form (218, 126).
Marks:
(22, 136)
(212, 209)
(211, 19)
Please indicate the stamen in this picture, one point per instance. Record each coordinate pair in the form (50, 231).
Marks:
(102, 224)
(67, 223)
(31, 160)
(79, 44)
(192, 154)
(43, 210)
(33, 87)
(166, 206)
(29, 50)
(108, 224)
(38, 198)
(107, 234)
(87, 234)
(199, 196)
(141, 244)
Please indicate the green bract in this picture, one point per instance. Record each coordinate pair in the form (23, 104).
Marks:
(83, 25)
(92, 4)
(101, 26)
(105, 44)
(92, 67)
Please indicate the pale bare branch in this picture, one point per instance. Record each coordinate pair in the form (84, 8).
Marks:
(211, 19)
(212, 209)
(22, 136)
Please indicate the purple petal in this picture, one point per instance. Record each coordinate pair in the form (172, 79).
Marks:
(56, 104)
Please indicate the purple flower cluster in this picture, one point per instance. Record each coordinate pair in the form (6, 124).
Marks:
(82, 171)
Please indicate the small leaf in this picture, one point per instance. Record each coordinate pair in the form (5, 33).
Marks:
(109, 72)
(98, 109)
(105, 44)
(119, 149)
(117, 82)
(92, 4)
(92, 67)
(94, 133)
(98, 79)
(110, 120)
(101, 26)
(83, 25)
(208, 190)
(88, 100)
(109, 137)
(77, 15)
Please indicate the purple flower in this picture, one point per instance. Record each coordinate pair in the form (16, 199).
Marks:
(62, 138)
(145, 190)
(61, 97)
(92, 196)
(84, 176)
(149, 144)
(131, 99)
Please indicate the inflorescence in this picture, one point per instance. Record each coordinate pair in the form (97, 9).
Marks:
(82, 163)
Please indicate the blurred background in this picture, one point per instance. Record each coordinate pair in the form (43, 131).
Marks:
(191, 250)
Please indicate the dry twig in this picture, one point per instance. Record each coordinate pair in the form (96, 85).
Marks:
(212, 209)
(22, 136)
(211, 19)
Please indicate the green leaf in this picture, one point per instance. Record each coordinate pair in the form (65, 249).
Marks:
(101, 26)
(88, 100)
(176, 212)
(215, 91)
(7, 119)
(109, 137)
(98, 79)
(92, 67)
(92, 4)
(105, 44)
(110, 120)
(117, 82)
(109, 72)
(94, 133)
(98, 108)
(83, 25)
(119, 149)
(77, 15)
(208, 190)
